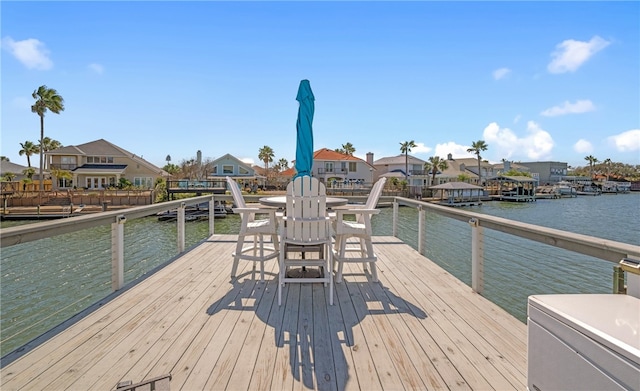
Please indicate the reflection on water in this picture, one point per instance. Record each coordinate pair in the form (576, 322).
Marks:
(47, 281)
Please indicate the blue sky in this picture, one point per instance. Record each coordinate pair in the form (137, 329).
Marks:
(536, 80)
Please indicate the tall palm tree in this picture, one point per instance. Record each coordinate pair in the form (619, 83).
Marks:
(283, 164)
(592, 160)
(49, 145)
(29, 149)
(435, 164)
(266, 155)
(348, 149)
(607, 163)
(405, 148)
(46, 99)
(476, 148)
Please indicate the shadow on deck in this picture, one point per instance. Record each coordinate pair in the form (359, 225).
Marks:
(418, 328)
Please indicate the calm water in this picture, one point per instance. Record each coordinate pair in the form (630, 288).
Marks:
(45, 282)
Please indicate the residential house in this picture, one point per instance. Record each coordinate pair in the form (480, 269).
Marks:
(337, 169)
(100, 164)
(395, 166)
(16, 172)
(469, 166)
(7, 167)
(547, 172)
(241, 172)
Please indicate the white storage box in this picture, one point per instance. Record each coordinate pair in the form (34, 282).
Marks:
(583, 342)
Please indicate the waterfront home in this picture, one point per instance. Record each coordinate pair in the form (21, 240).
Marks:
(16, 172)
(100, 164)
(337, 169)
(230, 166)
(546, 172)
(395, 166)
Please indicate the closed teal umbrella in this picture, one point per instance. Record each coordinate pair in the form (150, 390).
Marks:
(304, 143)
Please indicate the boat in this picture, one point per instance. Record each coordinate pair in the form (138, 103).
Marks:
(589, 189)
(547, 192)
(565, 189)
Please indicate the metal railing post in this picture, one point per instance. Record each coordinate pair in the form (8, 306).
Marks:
(477, 256)
(117, 253)
(181, 228)
(212, 215)
(395, 219)
(421, 219)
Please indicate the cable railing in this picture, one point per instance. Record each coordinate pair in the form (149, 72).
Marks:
(506, 260)
(481, 250)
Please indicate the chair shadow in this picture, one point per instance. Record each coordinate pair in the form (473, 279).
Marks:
(317, 334)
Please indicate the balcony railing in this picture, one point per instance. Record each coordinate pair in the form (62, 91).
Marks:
(339, 171)
(58, 166)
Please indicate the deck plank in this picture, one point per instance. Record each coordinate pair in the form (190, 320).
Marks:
(418, 328)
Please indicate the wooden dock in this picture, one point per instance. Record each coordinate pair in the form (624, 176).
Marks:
(418, 328)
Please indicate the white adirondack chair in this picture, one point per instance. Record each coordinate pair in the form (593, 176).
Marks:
(360, 228)
(257, 222)
(306, 223)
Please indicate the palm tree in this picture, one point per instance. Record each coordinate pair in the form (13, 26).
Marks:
(168, 159)
(406, 148)
(266, 155)
(476, 148)
(49, 145)
(283, 164)
(607, 163)
(46, 99)
(29, 149)
(435, 164)
(348, 149)
(592, 160)
(29, 172)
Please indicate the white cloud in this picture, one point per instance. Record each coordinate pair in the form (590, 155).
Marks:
(537, 144)
(456, 150)
(501, 73)
(583, 146)
(571, 54)
(517, 119)
(30, 52)
(581, 106)
(248, 160)
(627, 141)
(97, 68)
(421, 148)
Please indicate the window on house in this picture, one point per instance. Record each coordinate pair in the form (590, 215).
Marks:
(227, 169)
(243, 171)
(143, 182)
(215, 169)
(65, 183)
(353, 167)
(328, 166)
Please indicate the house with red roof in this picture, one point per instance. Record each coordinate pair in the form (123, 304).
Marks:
(337, 169)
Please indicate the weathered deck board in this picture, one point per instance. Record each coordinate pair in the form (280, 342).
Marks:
(418, 328)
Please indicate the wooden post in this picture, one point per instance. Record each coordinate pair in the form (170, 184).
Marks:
(117, 253)
(421, 220)
(477, 256)
(212, 215)
(395, 219)
(181, 228)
